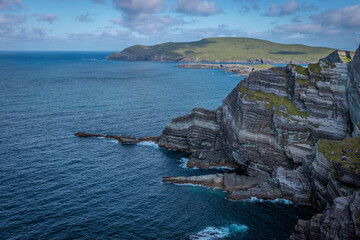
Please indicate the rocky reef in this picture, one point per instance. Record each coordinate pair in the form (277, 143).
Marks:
(124, 139)
(293, 129)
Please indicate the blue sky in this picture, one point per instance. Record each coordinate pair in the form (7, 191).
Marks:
(112, 25)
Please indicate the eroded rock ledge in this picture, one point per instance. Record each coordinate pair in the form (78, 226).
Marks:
(286, 185)
(124, 139)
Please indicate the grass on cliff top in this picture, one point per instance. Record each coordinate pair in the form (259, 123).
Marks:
(343, 57)
(233, 48)
(349, 148)
(315, 68)
(274, 100)
(301, 70)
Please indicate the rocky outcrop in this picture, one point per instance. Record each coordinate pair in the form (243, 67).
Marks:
(285, 185)
(335, 171)
(124, 139)
(272, 119)
(239, 69)
(341, 221)
(291, 127)
(196, 133)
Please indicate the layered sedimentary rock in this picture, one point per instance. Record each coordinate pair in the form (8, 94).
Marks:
(296, 129)
(335, 171)
(272, 119)
(341, 221)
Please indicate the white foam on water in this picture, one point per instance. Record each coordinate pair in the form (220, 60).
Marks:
(210, 233)
(277, 200)
(191, 184)
(114, 141)
(183, 162)
(149, 144)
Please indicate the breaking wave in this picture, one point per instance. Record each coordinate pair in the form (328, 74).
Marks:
(149, 144)
(210, 233)
(277, 200)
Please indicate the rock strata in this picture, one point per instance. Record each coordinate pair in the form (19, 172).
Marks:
(341, 221)
(290, 128)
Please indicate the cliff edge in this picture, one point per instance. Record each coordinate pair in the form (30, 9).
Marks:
(293, 129)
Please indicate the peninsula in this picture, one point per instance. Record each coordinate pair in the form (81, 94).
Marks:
(226, 49)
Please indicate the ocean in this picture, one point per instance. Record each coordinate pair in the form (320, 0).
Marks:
(54, 185)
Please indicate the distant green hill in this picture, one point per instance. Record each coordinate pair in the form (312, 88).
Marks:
(223, 49)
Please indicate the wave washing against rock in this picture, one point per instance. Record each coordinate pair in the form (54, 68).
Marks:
(210, 233)
(277, 200)
(183, 162)
(149, 144)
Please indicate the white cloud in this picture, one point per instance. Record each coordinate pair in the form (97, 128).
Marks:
(198, 7)
(10, 4)
(289, 7)
(139, 6)
(141, 16)
(9, 23)
(348, 17)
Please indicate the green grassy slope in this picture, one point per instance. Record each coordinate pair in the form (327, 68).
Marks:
(231, 48)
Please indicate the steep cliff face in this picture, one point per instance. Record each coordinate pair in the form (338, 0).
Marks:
(295, 129)
(272, 119)
(335, 171)
(353, 88)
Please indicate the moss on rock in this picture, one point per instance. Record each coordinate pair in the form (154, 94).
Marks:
(345, 152)
(274, 100)
(301, 70)
(315, 68)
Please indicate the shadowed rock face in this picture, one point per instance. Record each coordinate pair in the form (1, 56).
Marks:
(341, 221)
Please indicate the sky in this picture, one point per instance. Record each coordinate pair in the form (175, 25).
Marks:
(112, 25)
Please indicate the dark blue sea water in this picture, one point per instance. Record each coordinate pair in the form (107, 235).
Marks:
(54, 185)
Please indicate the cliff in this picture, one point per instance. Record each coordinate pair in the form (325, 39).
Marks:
(227, 49)
(292, 128)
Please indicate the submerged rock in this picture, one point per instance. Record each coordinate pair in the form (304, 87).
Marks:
(84, 134)
(151, 139)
